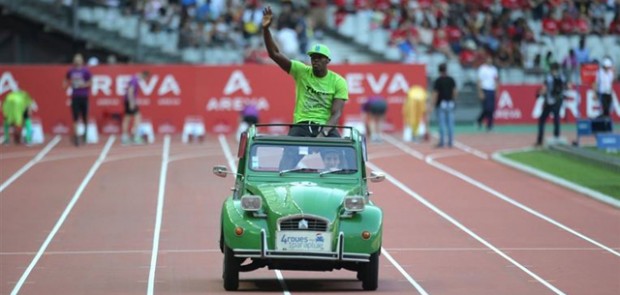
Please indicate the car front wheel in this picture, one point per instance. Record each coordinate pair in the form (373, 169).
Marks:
(369, 273)
(231, 270)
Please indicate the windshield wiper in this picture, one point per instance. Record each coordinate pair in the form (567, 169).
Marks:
(338, 171)
(300, 169)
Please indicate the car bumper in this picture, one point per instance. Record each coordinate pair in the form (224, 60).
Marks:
(338, 255)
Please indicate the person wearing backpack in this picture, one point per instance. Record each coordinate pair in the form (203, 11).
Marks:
(552, 91)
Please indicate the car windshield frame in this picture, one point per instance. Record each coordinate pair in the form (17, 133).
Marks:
(302, 158)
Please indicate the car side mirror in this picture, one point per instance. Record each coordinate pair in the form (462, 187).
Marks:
(220, 170)
(376, 176)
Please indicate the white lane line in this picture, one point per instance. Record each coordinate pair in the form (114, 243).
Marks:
(471, 150)
(449, 218)
(31, 163)
(160, 211)
(217, 250)
(519, 205)
(430, 161)
(63, 216)
(403, 272)
(282, 282)
(233, 167)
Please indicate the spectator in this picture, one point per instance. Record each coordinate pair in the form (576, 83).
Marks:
(604, 86)
(488, 80)
(570, 67)
(467, 56)
(552, 92)
(582, 53)
(614, 26)
(78, 79)
(444, 95)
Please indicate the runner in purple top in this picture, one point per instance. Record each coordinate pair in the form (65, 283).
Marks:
(131, 108)
(248, 117)
(78, 79)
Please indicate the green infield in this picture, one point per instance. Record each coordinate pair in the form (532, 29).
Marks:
(581, 172)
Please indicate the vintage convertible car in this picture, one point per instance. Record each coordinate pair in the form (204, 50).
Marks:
(301, 203)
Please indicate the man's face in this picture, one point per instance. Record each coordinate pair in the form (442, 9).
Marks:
(319, 62)
(331, 160)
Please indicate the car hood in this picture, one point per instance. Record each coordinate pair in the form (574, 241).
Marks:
(304, 198)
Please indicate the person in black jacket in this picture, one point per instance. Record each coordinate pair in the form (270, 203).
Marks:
(553, 93)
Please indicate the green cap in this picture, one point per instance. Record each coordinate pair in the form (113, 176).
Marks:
(320, 49)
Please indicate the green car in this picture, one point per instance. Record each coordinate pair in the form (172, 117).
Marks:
(301, 203)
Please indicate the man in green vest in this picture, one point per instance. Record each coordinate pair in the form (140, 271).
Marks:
(17, 109)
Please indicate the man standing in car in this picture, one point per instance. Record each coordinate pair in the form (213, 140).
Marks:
(320, 94)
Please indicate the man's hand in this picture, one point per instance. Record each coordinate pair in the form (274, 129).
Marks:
(267, 17)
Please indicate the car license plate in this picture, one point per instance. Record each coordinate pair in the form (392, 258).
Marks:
(303, 241)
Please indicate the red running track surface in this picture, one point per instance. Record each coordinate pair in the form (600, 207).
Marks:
(114, 219)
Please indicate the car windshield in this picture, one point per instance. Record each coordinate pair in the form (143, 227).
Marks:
(303, 158)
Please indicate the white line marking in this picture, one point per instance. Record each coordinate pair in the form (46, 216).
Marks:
(403, 272)
(430, 161)
(471, 150)
(31, 163)
(560, 181)
(217, 250)
(158, 217)
(282, 282)
(63, 216)
(519, 205)
(464, 228)
(233, 168)
(106, 252)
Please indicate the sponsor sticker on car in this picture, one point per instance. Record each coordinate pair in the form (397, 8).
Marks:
(303, 241)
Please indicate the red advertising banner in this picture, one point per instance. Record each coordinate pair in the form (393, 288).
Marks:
(215, 93)
(518, 104)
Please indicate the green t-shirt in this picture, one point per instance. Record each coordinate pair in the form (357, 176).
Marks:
(313, 95)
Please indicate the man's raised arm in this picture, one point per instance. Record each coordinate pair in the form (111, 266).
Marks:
(272, 48)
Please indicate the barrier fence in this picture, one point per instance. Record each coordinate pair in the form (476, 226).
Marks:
(217, 93)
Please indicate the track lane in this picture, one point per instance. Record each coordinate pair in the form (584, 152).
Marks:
(459, 199)
(114, 213)
(30, 207)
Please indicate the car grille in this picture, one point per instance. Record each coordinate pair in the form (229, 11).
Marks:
(296, 223)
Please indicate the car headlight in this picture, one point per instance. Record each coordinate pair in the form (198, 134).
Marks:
(251, 203)
(354, 203)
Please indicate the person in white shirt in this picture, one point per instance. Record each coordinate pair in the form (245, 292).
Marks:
(488, 80)
(603, 85)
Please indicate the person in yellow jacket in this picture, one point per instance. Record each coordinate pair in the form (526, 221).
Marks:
(16, 110)
(414, 114)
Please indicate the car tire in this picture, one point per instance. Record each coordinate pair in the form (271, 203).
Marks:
(369, 273)
(230, 273)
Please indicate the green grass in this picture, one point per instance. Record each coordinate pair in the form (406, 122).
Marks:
(581, 172)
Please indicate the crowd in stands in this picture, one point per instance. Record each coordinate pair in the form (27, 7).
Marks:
(471, 29)
(463, 30)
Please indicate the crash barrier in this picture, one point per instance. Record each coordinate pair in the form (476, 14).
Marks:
(607, 161)
(193, 129)
(591, 127)
(608, 141)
